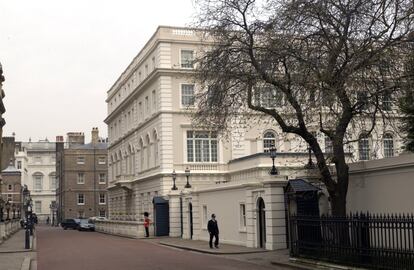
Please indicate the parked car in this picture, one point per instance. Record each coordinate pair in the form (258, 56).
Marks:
(86, 225)
(70, 223)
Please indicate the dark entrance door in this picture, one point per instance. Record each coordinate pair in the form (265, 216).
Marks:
(162, 216)
(190, 208)
(261, 218)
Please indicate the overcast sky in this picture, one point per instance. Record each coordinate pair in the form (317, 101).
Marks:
(60, 57)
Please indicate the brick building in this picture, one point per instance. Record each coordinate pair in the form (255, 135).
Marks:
(81, 174)
(11, 190)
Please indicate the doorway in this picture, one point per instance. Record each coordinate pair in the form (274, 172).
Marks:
(261, 223)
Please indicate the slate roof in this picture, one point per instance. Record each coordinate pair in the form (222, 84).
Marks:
(300, 185)
(101, 146)
(11, 170)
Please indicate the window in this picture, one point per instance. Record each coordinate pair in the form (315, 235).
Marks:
(270, 98)
(201, 146)
(146, 105)
(80, 160)
(386, 102)
(38, 178)
(205, 217)
(363, 147)
(102, 213)
(362, 99)
(101, 160)
(52, 179)
(102, 178)
(38, 207)
(269, 141)
(153, 62)
(388, 145)
(140, 110)
(19, 164)
(187, 94)
(102, 198)
(81, 214)
(154, 101)
(10, 188)
(81, 199)
(242, 216)
(146, 70)
(328, 145)
(187, 58)
(9, 197)
(81, 178)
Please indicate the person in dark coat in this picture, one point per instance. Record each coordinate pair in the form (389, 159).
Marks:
(213, 230)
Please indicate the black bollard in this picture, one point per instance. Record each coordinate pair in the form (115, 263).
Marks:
(27, 239)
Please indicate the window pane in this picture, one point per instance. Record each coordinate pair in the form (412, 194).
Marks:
(187, 94)
(187, 59)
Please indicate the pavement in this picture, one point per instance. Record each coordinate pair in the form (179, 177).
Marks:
(13, 256)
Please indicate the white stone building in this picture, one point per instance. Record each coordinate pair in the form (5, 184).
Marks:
(150, 136)
(36, 161)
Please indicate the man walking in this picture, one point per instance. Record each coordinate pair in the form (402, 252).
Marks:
(212, 228)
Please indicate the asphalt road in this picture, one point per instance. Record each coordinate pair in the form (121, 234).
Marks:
(72, 250)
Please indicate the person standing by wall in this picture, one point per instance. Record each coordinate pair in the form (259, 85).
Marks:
(147, 222)
(213, 229)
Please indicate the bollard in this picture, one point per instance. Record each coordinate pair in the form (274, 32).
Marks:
(27, 239)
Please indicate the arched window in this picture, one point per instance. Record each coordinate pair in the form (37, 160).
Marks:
(269, 141)
(156, 148)
(148, 148)
(363, 147)
(388, 142)
(142, 156)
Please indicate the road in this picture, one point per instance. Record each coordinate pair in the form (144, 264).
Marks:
(70, 250)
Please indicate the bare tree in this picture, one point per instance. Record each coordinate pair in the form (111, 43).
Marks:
(311, 65)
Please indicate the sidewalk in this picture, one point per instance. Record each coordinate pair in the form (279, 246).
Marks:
(13, 256)
(278, 258)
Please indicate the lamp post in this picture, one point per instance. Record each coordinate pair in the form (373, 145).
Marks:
(14, 210)
(187, 175)
(8, 210)
(272, 151)
(174, 177)
(310, 164)
(26, 203)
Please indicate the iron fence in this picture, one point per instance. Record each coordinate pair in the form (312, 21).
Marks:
(363, 240)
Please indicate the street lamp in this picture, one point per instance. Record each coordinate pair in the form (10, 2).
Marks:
(310, 164)
(272, 151)
(8, 210)
(187, 175)
(174, 176)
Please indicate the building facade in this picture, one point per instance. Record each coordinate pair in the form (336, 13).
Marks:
(37, 163)
(153, 144)
(81, 172)
(11, 192)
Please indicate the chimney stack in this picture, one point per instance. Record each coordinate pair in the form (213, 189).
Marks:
(59, 138)
(95, 135)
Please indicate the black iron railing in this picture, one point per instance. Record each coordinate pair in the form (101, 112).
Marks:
(364, 240)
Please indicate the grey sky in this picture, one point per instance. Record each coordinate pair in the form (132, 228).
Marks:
(60, 57)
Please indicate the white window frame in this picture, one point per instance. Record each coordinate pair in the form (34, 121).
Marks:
(388, 145)
(81, 176)
(267, 140)
(194, 144)
(101, 160)
(100, 198)
(38, 207)
(181, 96)
(80, 160)
(364, 145)
(104, 178)
(181, 58)
(10, 187)
(79, 196)
(35, 186)
(102, 211)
